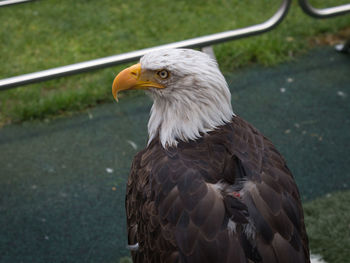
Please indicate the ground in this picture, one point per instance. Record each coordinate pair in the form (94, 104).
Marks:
(63, 181)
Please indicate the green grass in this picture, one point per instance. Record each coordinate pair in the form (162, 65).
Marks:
(125, 260)
(46, 34)
(328, 226)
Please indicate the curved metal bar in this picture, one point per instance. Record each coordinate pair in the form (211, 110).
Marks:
(13, 2)
(323, 13)
(134, 55)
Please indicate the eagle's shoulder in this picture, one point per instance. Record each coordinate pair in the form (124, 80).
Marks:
(271, 195)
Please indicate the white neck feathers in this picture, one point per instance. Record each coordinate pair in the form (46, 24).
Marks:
(187, 115)
(195, 100)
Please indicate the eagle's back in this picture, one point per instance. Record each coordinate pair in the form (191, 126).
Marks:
(226, 197)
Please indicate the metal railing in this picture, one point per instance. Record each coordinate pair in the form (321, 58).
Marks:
(323, 13)
(198, 42)
(13, 2)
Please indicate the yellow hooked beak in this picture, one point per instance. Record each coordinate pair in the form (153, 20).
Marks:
(131, 78)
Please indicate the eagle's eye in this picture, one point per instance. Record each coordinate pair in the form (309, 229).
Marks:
(163, 73)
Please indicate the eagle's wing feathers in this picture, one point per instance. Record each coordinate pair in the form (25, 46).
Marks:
(194, 212)
(229, 204)
(271, 196)
(181, 212)
(131, 201)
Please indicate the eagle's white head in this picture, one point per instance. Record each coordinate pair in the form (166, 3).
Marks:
(191, 96)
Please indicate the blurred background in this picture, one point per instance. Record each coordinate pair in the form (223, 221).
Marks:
(66, 147)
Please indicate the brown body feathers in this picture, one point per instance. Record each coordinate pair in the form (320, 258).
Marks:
(226, 197)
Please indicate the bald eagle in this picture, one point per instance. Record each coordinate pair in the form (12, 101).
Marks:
(209, 187)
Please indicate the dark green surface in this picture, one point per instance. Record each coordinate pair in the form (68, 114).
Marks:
(58, 203)
(327, 223)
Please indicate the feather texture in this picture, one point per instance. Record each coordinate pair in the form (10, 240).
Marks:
(209, 187)
(225, 197)
(195, 101)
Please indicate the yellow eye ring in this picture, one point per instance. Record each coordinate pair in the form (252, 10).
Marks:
(164, 74)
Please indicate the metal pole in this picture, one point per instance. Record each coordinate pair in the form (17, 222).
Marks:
(13, 2)
(134, 55)
(323, 13)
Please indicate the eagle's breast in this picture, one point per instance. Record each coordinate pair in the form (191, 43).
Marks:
(225, 197)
